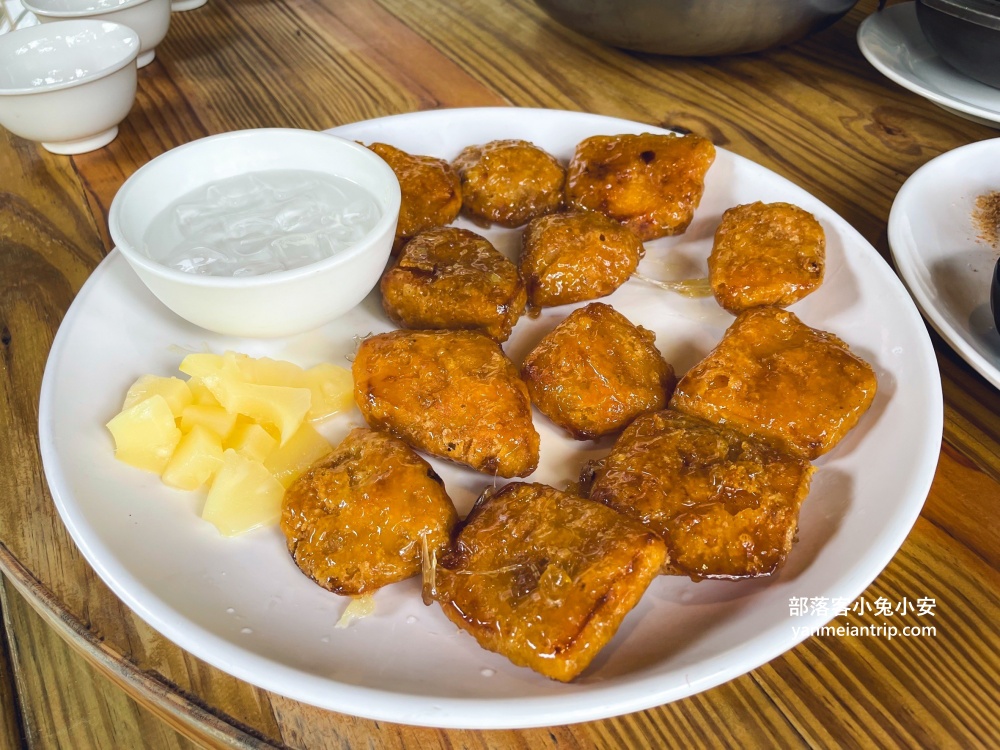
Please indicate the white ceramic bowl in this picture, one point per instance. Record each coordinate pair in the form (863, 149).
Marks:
(273, 304)
(67, 84)
(149, 18)
(179, 5)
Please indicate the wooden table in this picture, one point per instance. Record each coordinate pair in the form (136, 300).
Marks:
(78, 669)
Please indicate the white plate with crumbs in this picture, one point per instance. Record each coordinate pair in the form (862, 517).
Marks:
(892, 41)
(944, 233)
(242, 605)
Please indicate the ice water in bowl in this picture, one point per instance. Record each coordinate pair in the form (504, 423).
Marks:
(261, 223)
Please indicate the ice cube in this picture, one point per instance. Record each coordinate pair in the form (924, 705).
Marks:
(247, 249)
(296, 250)
(360, 213)
(300, 214)
(252, 222)
(193, 257)
(196, 218)
(237, 192)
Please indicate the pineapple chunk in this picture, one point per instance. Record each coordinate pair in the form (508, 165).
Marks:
(266, 371)
(197, 457)
(145, 434)
(332, 390)
(243, 496)
(291, 460)
(215, 418)
(279, 405)
(201, 394)
(332, 387)
(174, 390)
(252, 441)
(200, 364)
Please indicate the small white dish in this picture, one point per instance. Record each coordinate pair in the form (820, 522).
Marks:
(149, 18)
(179, 5)
(69, 84)
(893, 43)
(280, 303)
(940, 256)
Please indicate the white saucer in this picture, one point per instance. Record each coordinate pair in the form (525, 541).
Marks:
(942, 261)
(892, 41)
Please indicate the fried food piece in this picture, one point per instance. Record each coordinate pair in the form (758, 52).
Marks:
(576, 256)
(596, 371)
(775, 378)
(431, 191)
(766, 254)
(452, 394)
(354, 521)
(545, 578)
(650, 183)
(509, 182)
(726, 505)
(453, 278)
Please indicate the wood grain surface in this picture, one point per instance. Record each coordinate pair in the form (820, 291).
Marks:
(80, 670)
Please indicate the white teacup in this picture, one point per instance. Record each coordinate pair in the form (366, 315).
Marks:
(149, 18)
(68, 84)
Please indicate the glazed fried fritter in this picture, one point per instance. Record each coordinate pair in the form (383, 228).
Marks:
(453, 278)
(576, 256)
(596, 371)
(452, 394)
(509, 182)
(354, 521)
(545, 578)
(766, 254)
(726, 505)
(430, 188)
(775, 378)
(650, 183)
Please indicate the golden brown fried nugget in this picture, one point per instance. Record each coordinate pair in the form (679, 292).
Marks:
(775, 378)
(431, 190)
(354, 521)
(545, 578)
(766, 254)
(453, 278)
(452, 394)
(727, 505)
(509, 182)
(596, 371)
(650, 183)
(576, 256)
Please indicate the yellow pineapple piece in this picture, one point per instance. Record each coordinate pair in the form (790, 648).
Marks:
(145, 434)
(332, 390)
(266, 371)
(200, 364)
(215, 418)
(296, 455)
(332, 387)
(251, 440)
(197, 457)
(243, 496)
(201, 394)
(174, 390)
(281, 406)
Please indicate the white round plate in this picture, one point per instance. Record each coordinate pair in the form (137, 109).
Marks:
(242, 605)
(892, 41)
(938, 250)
